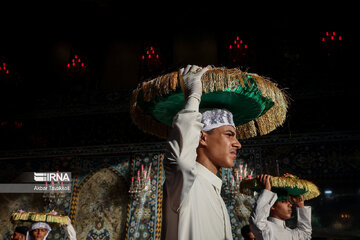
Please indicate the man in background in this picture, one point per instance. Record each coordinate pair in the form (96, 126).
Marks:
(20, 233)
(246, 233)
(267, 220)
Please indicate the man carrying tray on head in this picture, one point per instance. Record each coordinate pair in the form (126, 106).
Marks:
(41, 230)
(199, 145)
(272, 208)
(243, 105)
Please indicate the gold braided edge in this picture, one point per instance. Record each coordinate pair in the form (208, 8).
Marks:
(39, 217)
(289, 181)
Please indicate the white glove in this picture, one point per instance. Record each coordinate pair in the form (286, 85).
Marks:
(192, 86)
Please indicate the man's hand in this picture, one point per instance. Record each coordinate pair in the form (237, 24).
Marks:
(298, 201)
(264, 181)
(192, 86)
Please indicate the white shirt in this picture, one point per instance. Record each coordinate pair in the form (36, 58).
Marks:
(194, 208)
(267, 228)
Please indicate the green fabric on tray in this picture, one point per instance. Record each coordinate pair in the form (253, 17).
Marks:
(245, 103)
(292, 191)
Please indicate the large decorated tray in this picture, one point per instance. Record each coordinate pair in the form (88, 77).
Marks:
(292, 184)
(51, 217)
(257, 104)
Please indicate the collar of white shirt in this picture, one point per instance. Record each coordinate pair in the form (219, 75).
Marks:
(210, 176)
(277, 221)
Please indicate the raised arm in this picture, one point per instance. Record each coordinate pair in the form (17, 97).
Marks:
(184, 137)
(180, 160)
(185, 134)
(304, 229)
(261, 210)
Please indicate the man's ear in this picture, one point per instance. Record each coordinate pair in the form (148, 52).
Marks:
(272, 211)
(203, 137)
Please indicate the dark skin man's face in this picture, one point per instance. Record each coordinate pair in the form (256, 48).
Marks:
(39, 233)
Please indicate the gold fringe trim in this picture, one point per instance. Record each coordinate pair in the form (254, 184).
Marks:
(283, 182)
(216, 79)
(39, 217)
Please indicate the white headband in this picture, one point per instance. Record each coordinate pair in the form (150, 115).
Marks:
(39, 225)
(216, 118)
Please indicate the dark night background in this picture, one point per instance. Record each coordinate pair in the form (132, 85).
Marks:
(45, 105)
(38, 42)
